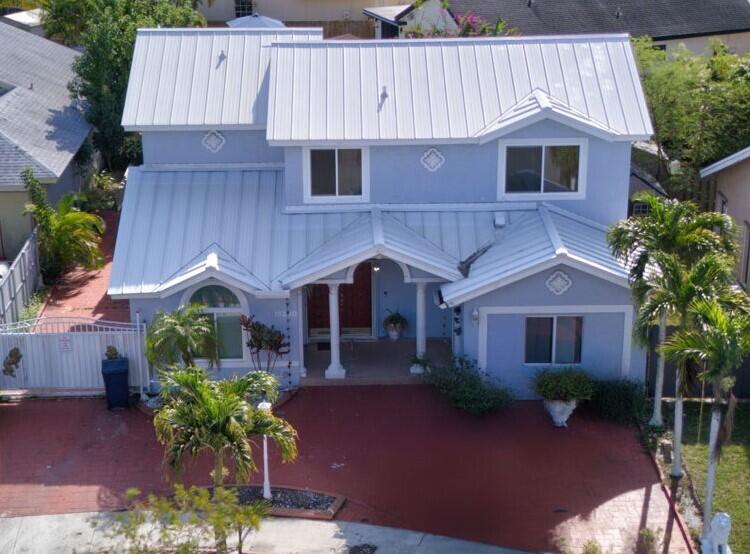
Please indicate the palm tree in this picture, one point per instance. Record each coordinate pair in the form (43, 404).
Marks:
(719, 343)
(200, 414)
(66, 235)
(669, 293)
(181, 335)
(668, 227)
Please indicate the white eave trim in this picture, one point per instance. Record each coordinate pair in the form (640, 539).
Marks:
(724, 163)
(138, 128)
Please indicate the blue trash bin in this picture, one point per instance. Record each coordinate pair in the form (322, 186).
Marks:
(115, 375)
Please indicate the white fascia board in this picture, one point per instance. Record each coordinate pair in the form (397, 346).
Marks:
(360, 143)
(201, 275)
(724, 163)
(136, 128)
(437, 207)
(570, 261)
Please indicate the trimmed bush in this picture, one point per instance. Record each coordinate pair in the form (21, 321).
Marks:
(467, 388)
(621, 401)
(563, 385)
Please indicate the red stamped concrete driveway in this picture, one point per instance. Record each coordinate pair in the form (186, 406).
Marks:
(401, 455)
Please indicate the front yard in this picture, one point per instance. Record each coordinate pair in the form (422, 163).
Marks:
(733, 478)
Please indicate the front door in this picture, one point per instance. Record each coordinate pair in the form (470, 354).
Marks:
(355, 306)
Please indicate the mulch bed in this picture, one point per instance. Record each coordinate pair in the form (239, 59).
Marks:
(293, 502)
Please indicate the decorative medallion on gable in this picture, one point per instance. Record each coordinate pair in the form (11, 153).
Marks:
(432, 160)
(558, 282)
(213, 141)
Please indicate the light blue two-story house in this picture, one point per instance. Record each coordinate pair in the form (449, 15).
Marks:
(321, 185)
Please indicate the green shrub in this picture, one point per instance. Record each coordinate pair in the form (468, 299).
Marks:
(467, 388)
(564, 385)
(622, 401)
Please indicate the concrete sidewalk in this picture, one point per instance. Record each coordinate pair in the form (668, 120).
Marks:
(88, 533)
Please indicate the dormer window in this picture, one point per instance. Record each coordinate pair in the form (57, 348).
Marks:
(533, 169)
(336, 175)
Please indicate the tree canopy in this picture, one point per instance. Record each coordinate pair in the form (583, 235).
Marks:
(102, 71)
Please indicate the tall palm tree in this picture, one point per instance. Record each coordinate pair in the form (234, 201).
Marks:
(668, 227)
(66, 235)
(669, 293)
(719, 343)
(200, 414)
(181, 336)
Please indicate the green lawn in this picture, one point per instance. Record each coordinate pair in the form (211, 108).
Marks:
(733, 479)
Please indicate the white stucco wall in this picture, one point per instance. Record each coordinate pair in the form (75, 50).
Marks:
(298, 10)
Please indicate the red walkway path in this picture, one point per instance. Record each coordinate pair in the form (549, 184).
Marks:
(401, 456)
(82, 293)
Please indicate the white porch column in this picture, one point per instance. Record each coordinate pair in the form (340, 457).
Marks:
(416, 369)
(335, 370)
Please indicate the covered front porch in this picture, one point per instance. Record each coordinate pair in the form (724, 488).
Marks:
(372, 362)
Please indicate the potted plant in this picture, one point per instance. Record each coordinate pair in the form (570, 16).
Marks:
(394, 323)
(562, 390)
(115, 376)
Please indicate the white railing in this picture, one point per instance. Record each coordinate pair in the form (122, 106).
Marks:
(66, 352)
(21, 281)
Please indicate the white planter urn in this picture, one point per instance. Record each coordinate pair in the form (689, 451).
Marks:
(560, 411)
(394, 332)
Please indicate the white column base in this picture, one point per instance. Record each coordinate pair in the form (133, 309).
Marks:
(335, 372)
(303, 372)
(416, 369)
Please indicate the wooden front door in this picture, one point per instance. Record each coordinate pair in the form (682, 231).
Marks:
(355, 305)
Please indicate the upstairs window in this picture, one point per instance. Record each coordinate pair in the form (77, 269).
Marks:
(553, 169)
(337, 174)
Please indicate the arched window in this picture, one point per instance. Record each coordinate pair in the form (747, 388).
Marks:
(225, 308)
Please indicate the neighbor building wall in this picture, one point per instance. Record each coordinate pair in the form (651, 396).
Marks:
(602, 337)
(470, 173)
(739, 43)
(186, 147)
(296, 10)
(733, 192)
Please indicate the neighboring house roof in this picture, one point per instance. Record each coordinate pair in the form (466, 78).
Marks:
(202, 78)
(724, 163)
(231, 225)
(389, 14)
(660, 19)
(641, 180)
(449, 90)
(255, 21)
(40, 126)
(27, 19)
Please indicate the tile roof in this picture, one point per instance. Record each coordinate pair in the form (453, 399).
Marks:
(452, 89)
(40, 126)
(202, 78)
(230, 224)
(656, 18)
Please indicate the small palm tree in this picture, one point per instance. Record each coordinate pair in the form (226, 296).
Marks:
(181, 336)
(669, 227)
(719, 343)
(66, 235)
(200, 414)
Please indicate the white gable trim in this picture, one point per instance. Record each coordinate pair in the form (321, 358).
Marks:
(625, 309)
(560, 259)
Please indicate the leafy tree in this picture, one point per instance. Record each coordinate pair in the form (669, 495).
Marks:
(66, 20)
(467, 25)
(102, 71)
(181, 336)
(700, 107)
(200, 414)
(719, 343)
(669, 228)
(66, 235)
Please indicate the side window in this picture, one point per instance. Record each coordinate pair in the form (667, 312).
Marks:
(553, 340)
(542, 169)
(337, 174)
(222, 305)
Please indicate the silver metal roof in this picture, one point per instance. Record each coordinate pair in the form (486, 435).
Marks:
(451, 89)
(202, 77)
(40, 126)
(230, 225)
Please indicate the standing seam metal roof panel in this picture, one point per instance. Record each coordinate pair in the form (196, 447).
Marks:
(203, 78)
(448, 89)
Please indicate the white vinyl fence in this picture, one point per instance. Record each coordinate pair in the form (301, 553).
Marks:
(21, 281)
(66, 353)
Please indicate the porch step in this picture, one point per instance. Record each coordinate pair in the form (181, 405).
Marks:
(355, 381)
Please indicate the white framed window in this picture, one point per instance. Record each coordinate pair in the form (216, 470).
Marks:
(224, 306)
(553, 340)
(534, 169)
(340, 175)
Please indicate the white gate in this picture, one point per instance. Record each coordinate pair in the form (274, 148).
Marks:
(66, 353)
